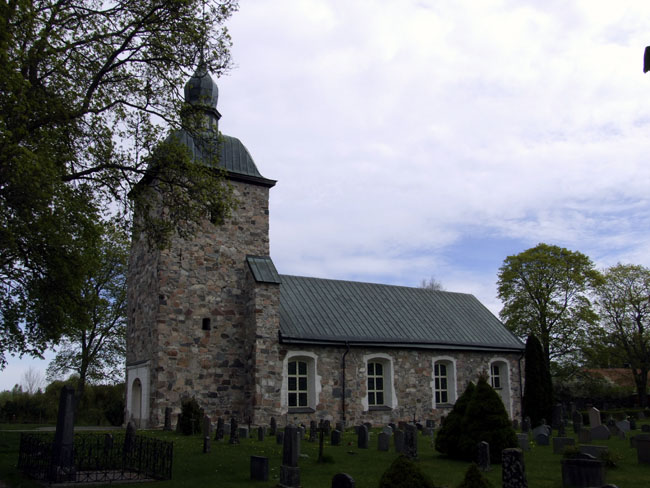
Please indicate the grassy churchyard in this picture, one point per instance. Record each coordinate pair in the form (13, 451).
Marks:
(229, 465)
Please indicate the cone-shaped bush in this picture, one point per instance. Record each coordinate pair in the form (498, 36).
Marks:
(486, 420)
(450, 432)
(475, 479)
(538, 392)
(404, 473)
(191, 416)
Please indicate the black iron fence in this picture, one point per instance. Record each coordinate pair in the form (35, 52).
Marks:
(96, 458)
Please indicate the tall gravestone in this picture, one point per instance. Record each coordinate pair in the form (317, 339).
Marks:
(411, 441)
(168, 419)
(234, 431)
(513, 472)
(398, 440)
(259, 468)
(274, 427)
(483, 449)
(313, 429)
(220, 430)
(289, 471)
(362, 437)
(335, 439)
(577, 422)
(62, 467)
(207, 427)
(594, 417)
(383, 441)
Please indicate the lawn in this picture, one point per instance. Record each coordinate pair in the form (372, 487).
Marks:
(228, 465)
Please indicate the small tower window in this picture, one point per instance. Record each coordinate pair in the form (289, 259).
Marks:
(206, 324)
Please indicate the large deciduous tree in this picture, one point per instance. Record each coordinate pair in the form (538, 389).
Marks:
(545, 291)
(86, 89)
(624, 305)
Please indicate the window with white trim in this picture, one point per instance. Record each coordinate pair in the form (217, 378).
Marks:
(301, 385)
(441, 380)
(297, 384)
(380, 393)
(495, 376)
(375, 384)
(444, 381)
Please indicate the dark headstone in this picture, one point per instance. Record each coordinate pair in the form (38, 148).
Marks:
(561, 443)
(542, 439)
(313, 430)
(62, 466)
(207, 427)
(335, 437)
(643, 448)
(411, 441)
(168, 419)
(525, 424)
(259, 468)
(401, 425)
(340, 426)
(600, 433)
(234, 431)
(178, 423)
(289, 471)
(623, 425)
(523, 442)
(327, 426)
(279, 437)
(398, 439)
(261, 433)
(393, 426)
(513, 472)
(584, 436)
(596, 451)
(383, 441)
(577, 422)
(244, 432)
(594, 417)
(219, 432)
(483, 460)
(342, 480)
(129, 438)
(583, 472)
(362, 437)
(556, 416)
(274, 426)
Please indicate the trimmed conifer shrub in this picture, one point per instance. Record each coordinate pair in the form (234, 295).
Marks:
(475, 479)
(450, 432)
(538, 391)
(191, 416)
(486, 420)
(404, 473)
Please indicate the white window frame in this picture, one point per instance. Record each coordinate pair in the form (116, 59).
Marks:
(390, 396)
(314, 385)
(496, 380)
(504, 391)
(450, 365)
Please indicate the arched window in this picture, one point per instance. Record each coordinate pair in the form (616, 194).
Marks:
(444, 382)
(500, 381)
(301, 385)
(380, 393)
(298, 379)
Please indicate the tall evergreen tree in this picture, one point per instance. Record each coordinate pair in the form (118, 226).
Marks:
(538, 390)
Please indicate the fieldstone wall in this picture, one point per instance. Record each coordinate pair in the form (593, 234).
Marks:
(188, 311)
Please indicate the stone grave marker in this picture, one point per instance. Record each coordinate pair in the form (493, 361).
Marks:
(168, 419)
(178, 423)
(594, 417)
(584, 471)
(362, 437)
(541, 429)
(289, 471)
(207, 426)
(643, 448)
(513, 471)
(577, 422)
(261, 433)
(600, 433)
(335, 438)
(387, 430)
(383, 441)
(542, 439)
(218, 435)
(226, 429)
(339, 426)
(327, 425)
(523, 442)
(274, 427)
(584, 436)
(259, 468)
(279, 437)
(556, 416)
(401, 425)
(244, 432)
(483, 456)
(313, 430)
(561, 443)
(342, 480)
(62, 467)
(596, 451)
(525, 424)
(411, 441)
(234, 431)
(398, 440)
(623, 425)
(393, 426)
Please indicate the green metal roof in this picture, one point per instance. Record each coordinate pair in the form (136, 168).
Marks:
(321, 311)
(233, 156)
(263, 269)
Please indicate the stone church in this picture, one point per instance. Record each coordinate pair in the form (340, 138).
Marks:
(211, 318)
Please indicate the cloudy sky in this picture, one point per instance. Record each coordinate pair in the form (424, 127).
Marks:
(418, 139)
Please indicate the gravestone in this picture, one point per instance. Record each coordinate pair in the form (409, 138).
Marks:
(643, 448)
(584, 436)
(178, 423)
(640, 415)
(383, 441)
(340, 426)
(393, 426)
(594, 417)
(401, 425)
(483, 461)
(362, 437)
(623, 425)
(259, 468)
(327, 426)
(645, 428)
(524, 445)
(313, 430)
(342, 480)
(398, 440)
(335, 438)
(411, 441)
(168, 419)
(244, 432)
(541, 429)
(584, 471)
(387, 430)
(226, 429)
(302, 429)
(279, 437)
(261, 433)
(289, 471)
(525, 424)
(62, 466)
(274, 427)
(513, 471)
(632, 423)
(561, 430)
(600, 433)
(234, 431)
(577, 422)
(219, 432)
(561, 443)
(206, 434)
(556, 416)
(542, 439)
(596, 451)
(515, 424)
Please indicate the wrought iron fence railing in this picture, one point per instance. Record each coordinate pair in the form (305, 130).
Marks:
(96, 458)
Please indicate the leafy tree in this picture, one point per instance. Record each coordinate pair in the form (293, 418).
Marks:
(544, 291)
(486, 420)
(538, 390)
(432, 284)
(85, 88)
(93, 346)
(624, 305)
(447, 440)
